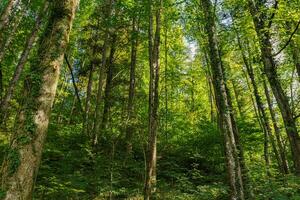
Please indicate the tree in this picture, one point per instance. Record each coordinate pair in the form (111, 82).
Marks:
(22, 61)
(226, 123)
(270, 69)
(6, 13)
(101, 71)
(154, 47)
(22, 161)
(130, 104)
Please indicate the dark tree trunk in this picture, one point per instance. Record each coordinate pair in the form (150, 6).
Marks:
(77, 95)
(130, 104)
(108, 86)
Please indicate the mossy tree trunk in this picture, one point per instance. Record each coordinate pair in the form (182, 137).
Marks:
(284, 164)
(4, 18)
(270, 69)
(20, 167)
(223, 105)
(108, 85)
(101, 73)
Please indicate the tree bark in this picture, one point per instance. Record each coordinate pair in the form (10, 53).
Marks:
(226, 123)
(5, 42)
(22, 61)
(237, 99)
(284, 164)
(261, 109)
(6, 13)
(88, 100)
(211, 97)
(101, 74)
(295, 50)
(130, 104)
(270, 69)
(154, 47)
(296, 57)
(108, 85)
(22, 161)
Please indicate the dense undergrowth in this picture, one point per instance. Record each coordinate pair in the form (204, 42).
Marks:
(71, 170)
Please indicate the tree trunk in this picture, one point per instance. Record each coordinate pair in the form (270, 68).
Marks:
(261, 109)
(284, 164)
(237, 99)
(295, 50)
(211, 97)
(22, 61)
(130, 104)
(108, 85)
(101, 74)
(270, 69)
(226, 123)
(6, 13)
(6, 42)
(296, 56)
(22, 161)
(88, 100)
(154, 47)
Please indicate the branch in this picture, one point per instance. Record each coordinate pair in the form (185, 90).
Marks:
(289, 40)
(273, 14)
(74, 84)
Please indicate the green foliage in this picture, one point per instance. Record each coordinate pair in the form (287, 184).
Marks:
(191, 161)
(13, 157)
(278, 188)
(23, 139)
(2, 193)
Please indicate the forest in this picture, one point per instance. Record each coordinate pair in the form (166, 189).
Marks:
(150, 100)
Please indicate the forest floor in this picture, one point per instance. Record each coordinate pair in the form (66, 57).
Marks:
(70, 171)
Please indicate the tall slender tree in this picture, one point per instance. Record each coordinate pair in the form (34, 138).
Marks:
(22, 61)
(130, 104)
(154, 50)
(101, 71)
(226, 123)
(262, 26)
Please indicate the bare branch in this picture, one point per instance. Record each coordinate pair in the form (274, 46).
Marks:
(289, 40)
(74, 84)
